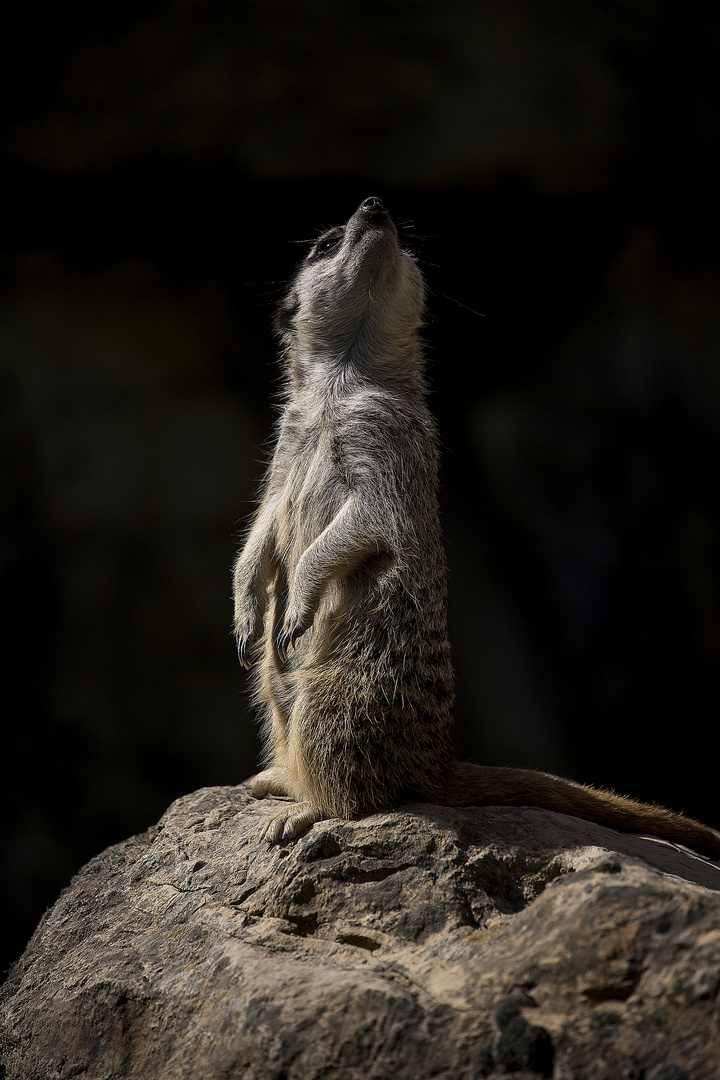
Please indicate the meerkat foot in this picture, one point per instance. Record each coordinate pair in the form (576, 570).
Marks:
(291, 822)
(272, 781)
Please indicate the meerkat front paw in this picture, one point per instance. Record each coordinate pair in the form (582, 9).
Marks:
(244, 645)
(248, 630)
(291, 822)
(292, 629)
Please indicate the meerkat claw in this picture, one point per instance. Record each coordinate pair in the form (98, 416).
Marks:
(286, 638)
(290, 822)
(242, 651)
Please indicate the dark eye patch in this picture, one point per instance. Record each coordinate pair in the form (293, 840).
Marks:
(326, 244)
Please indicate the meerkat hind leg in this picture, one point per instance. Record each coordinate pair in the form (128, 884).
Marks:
(291, 821)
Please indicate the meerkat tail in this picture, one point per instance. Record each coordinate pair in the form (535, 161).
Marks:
(479, 785)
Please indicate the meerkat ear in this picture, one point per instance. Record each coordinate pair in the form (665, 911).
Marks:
(286, 313)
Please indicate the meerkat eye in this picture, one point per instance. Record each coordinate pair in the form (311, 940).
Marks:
(328, 243)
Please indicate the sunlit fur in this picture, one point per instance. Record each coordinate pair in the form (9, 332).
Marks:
(340, 592)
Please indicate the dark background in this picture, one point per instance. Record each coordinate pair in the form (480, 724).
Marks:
(556, 167)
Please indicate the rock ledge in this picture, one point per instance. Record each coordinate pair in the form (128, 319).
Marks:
(430, 942)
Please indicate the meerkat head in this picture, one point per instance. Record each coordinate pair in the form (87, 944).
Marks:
(356, 292)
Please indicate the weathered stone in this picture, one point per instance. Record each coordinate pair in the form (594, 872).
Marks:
(427, 942)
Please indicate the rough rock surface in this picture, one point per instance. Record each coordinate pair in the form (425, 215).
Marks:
(430, 942)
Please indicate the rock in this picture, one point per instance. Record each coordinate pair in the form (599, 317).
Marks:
(429, 942)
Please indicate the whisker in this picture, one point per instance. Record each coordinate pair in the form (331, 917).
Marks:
(459, 303)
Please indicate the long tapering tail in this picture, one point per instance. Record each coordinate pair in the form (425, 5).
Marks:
(480, 785)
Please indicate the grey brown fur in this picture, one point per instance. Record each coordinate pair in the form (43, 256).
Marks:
(340, 593)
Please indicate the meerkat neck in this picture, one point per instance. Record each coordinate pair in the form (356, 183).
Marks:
(358, 365)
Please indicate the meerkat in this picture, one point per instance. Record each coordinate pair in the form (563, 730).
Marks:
(340, 588)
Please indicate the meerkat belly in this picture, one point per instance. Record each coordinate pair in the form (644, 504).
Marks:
(374, 717)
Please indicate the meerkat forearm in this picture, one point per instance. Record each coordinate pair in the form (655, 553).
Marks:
(251, 579)
(349, 539)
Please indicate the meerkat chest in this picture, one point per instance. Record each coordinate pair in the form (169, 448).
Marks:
(314, 487)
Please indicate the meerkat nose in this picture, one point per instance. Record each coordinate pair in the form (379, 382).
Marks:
(373, 203)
